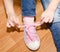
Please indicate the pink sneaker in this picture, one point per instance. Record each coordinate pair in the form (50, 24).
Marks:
(31, 38)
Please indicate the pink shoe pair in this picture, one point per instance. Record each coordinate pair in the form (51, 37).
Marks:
(31, 38)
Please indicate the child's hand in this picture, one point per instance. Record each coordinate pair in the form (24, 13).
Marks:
(47, 16)
(13, 21)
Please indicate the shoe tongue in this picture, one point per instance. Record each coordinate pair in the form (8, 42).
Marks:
(32, 29)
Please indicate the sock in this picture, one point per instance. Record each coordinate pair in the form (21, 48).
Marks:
(28, 20)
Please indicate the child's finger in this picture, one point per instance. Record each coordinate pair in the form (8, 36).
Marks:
(51, 19)
(11, 23)
(41, 21)
(17, 23)
(46, 19)
(41, 18)
(8, 25)
(18, 26)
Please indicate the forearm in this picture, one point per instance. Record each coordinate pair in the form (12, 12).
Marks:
(9, 6)
(53, 5)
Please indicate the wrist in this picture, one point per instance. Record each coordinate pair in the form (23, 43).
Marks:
(10, 14)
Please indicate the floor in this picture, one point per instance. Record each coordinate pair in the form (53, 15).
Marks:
(11, 40)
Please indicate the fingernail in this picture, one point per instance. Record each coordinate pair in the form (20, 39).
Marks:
(19, 26)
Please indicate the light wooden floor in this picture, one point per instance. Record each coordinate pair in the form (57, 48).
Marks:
(11, 40)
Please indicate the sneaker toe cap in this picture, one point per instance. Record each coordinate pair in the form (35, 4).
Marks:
(34, 45)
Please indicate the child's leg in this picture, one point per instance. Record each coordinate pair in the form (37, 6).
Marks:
(55, 26)
(28, 10)
(30, 36)
(12, 18)
(55, 29)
